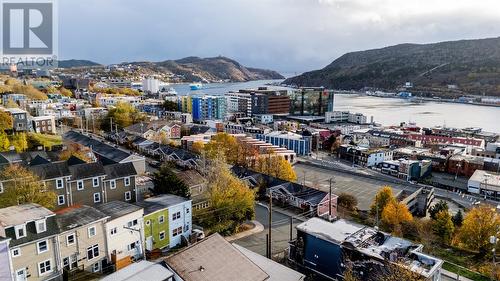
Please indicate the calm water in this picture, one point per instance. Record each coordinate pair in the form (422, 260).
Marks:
(387, 111)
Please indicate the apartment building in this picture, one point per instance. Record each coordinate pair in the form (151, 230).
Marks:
(44, 124)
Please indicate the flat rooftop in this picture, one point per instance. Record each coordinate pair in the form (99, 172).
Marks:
(365, 189)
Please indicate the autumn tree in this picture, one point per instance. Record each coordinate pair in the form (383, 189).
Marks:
(479, 224)
(11, 103)
(75, 150)
(170, 106)
(232, 202)
(394, 214)
(442, 226)
(383, 197)
(29, 91)
(19, 141)
(21, 186)
(347, 201)
(275, 166)
(397, 272)
(197, 147)
(5, 121)
(65, 92)
(123, 115)
(4, 141)
(225, 144)
(166, 181)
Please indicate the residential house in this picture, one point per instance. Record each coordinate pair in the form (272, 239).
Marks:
(106, 153)
(32, 230)
(124, 232)
(56, 176)
(198, 187)
(140, 271)
(213, 259)
(167, 218)
(119, 183)
(82, 239)
(19, 119)
(44, 124)
(5, 259)
(329, 248)
(86, 183)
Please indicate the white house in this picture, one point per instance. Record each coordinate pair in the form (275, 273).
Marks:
(124, 230)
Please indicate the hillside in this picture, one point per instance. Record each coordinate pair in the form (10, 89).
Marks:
(209, 69)
(76, 63)
(472, 65)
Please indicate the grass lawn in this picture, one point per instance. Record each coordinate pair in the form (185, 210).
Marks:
(45, 140)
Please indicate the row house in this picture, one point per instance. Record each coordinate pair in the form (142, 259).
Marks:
(87, 183)
(38, 244)
(167, 218)
(155, 129)
(432, 139)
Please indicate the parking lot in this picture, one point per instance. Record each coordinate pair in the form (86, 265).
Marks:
(363, 188)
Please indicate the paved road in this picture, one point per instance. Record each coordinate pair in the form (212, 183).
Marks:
(280, 232)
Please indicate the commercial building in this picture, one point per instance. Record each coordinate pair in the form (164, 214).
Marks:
(119, 83)
(330, 248)
(259, 101)
(345, 116)
(300, 144)
(151, 85)
(315, 101)
(485, 183)
(407, 169)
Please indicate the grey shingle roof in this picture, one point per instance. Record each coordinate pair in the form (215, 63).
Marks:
(87, 170)
(214, 259)
(160, 202)
(114, 171)
(116, 209)
(71, 218)
(51, 170)
(103, 150)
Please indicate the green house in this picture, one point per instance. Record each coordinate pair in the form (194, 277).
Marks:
(156, 229)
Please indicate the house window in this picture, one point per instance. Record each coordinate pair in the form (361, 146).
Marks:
(176, 216)
(42, 246)
(96, 267)
(128, 196)
(1, 187)
(95, 182)
(161, 219)
(132, 223)
(59, 183)
(79, 185)
(112, 184)
(41, 226)
(70, 239)
(21, 274)
(162, 235)
(44, 267)
(92, 252)
(131, 246)
(97, 197)
(186, 227)
(187, 210)
(177, 231)
(148, 222)
(20, 231)
(92, 231)
(126, 181)
(60, 200)
(16, 252)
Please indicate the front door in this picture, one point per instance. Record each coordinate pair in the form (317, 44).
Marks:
(21, 275)
(149, 243)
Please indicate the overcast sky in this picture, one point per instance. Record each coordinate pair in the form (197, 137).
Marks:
(284, 35)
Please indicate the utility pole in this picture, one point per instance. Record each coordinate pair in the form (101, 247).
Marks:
(269, 245)
(330, 202)
(111, 123)
(291, 228)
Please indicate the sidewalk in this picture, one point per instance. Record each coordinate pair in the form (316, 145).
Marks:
(258, 227)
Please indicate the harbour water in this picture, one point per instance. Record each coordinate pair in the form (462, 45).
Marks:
(386, 111)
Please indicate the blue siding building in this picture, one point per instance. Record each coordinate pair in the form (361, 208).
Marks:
(300, 144)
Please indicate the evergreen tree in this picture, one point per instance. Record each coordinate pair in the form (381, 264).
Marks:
(166, 182)
(458, 219)
(440, 206)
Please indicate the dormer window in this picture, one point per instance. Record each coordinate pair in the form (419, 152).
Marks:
(20, 231)
(41, 226)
